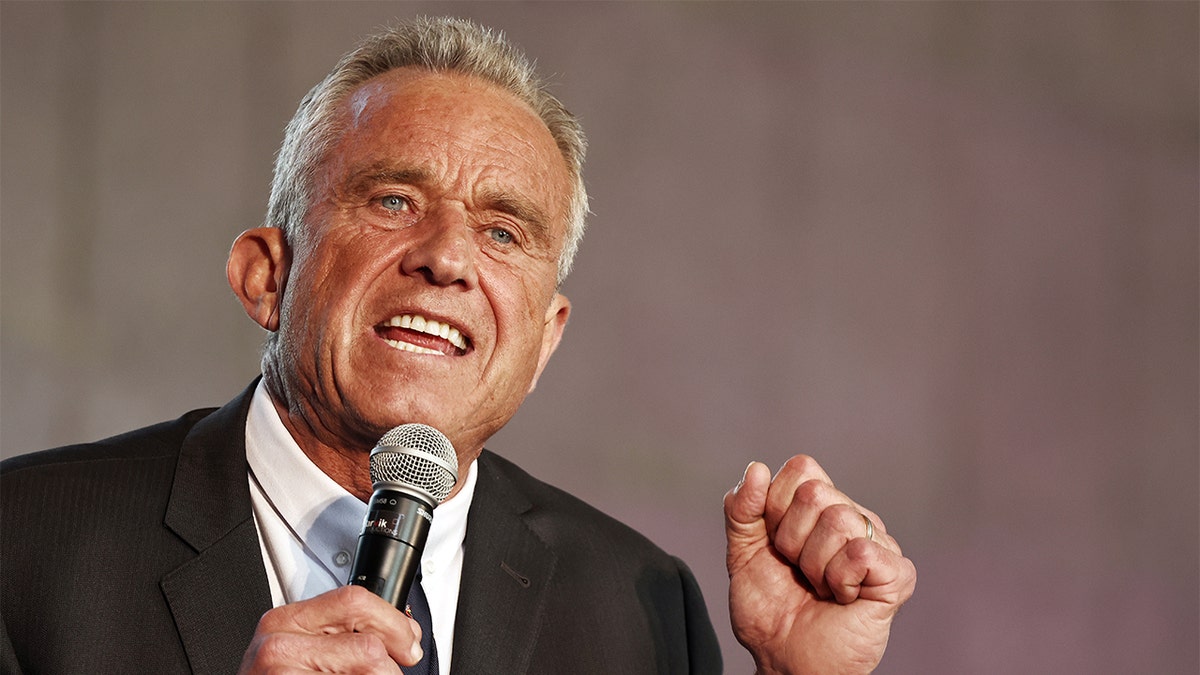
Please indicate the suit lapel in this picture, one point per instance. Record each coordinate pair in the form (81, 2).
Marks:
(507, 572)
(218, 596)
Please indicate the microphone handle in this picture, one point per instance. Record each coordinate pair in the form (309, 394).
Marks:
(390, 546)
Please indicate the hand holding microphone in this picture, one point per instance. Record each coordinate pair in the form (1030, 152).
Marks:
(413, 468)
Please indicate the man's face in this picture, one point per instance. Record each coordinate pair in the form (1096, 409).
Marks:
(423, 288)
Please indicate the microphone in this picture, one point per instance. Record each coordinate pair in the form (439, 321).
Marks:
(413, 469)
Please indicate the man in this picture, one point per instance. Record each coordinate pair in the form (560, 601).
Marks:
(427, 203)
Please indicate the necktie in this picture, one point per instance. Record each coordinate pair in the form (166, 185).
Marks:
(418, 608)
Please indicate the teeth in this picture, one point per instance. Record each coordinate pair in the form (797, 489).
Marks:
(428, 326)
(405, 347)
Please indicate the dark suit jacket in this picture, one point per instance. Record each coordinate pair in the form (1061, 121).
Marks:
(138, 554)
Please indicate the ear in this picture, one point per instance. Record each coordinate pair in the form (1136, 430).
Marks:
(556, 322)
(257, 271)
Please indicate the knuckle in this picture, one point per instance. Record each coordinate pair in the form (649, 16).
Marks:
(840, 576)
(910, 576)
(788, 543)
(354, 598)
(802, 464)
(845, 517)
(273, 619)
(860, 551)
(810, 564)
(366, 648)
(810, 493)
(274, 648)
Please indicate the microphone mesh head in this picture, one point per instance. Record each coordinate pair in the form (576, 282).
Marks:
(418, 457)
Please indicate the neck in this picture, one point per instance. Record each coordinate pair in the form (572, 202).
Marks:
(346, 462)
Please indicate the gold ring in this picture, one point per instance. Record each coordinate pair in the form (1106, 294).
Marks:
(870, 527)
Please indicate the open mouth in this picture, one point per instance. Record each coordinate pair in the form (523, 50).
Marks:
(414, 333)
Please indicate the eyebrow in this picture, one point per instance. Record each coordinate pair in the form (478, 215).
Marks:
(520, 208)
(371, 176)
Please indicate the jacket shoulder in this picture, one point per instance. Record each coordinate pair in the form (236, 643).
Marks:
(561, 516)
(98, 548)
(148, 443)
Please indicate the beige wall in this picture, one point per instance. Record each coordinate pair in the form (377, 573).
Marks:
(949, 249)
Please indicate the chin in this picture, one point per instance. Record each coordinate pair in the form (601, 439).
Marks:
(403, 411)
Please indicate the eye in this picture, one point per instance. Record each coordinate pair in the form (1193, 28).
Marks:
(395, 203)
(501, 235)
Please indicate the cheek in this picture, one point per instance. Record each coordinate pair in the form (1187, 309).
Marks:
(521, 323)
(319, 295)
(518, 298)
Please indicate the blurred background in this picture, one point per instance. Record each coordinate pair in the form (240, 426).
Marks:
(949, 249)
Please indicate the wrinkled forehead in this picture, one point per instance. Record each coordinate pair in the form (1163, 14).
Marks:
(417, 115)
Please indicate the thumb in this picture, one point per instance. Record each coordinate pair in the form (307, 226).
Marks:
(745, 506)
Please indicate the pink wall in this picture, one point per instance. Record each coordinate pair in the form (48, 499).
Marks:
(949, 249)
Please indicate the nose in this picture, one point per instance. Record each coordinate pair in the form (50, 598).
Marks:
(441, 249)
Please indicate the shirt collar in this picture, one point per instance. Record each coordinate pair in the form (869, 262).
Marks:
(320, 513)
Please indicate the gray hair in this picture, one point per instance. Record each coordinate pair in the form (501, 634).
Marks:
(439, 44)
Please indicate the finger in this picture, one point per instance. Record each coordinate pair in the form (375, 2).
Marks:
(878, 531)
(836, 526)
(745, 529)
(349, 609)
(796, 525)
(744, 504)
(331, 653)
(794, 473)
(863, 569)
(802, 484)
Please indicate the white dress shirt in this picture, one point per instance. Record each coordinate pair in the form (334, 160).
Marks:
(308, 525)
